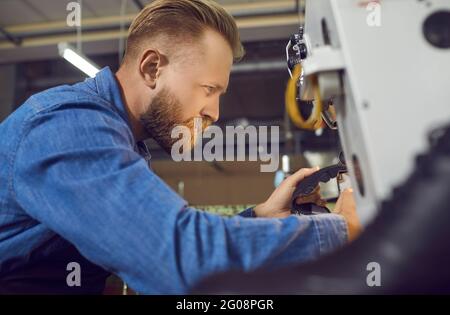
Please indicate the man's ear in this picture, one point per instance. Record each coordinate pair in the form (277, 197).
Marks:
(150, 66)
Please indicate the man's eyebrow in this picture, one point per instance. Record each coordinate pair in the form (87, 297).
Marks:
(218, 87)
(221, 88)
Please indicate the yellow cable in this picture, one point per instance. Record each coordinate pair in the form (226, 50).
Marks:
(315, 119)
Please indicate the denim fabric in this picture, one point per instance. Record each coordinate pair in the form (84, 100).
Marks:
(71, 170)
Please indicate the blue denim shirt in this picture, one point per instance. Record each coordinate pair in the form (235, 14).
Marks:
(71, 170)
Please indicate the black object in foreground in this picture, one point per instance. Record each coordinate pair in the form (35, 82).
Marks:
(408, 240)
(307, 186)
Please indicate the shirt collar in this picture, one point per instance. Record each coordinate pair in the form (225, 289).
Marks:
(108, 88)
(142, 149)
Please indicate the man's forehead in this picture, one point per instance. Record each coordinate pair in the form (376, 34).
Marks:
(216, 45)
(209, 68)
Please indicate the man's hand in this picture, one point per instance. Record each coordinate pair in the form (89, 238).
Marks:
(279, 203)
(346, 207)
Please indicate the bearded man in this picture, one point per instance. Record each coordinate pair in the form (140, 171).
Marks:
(77, 191)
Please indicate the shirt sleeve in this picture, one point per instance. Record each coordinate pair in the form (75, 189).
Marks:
(76, 173)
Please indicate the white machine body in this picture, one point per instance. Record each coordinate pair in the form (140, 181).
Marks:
(391, 87)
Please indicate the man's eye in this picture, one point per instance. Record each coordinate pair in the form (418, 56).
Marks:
(209, 89)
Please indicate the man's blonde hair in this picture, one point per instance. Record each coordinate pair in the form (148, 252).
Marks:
(180, 21)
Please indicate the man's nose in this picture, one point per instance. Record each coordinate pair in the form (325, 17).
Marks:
(212, 110)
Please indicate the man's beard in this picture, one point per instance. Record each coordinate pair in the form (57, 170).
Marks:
(163, 115)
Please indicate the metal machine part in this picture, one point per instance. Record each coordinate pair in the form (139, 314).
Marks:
(296, 50)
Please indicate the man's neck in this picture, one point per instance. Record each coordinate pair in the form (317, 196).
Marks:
(130, 101)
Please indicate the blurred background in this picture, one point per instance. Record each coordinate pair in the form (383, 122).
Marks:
(30, 31)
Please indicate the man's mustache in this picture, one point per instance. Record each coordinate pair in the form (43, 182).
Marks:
(206, 122)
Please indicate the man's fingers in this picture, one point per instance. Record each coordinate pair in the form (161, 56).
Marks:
(345, 200)
(282, 215)
(307, 199)
(318, 201)
(346, 207)
(300, 175)
(313, 197)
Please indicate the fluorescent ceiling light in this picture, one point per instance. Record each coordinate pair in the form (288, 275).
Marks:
(78, 59)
